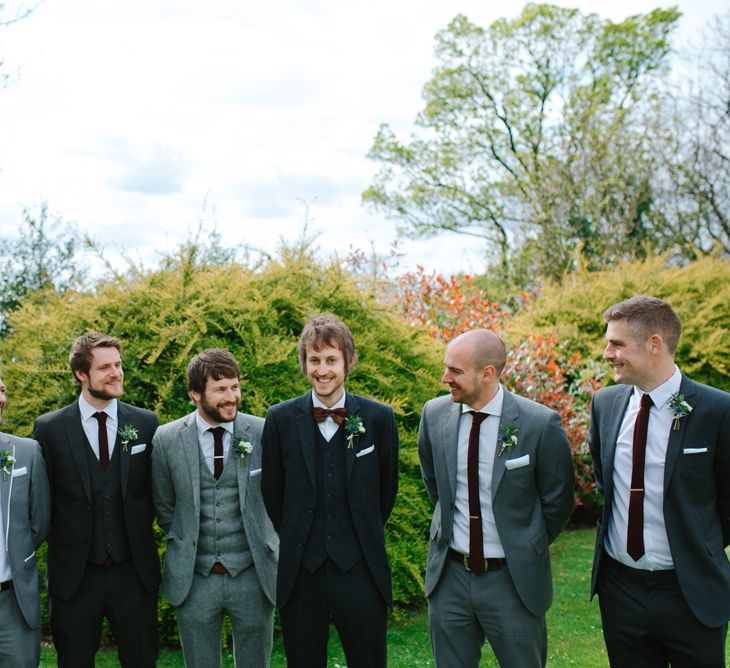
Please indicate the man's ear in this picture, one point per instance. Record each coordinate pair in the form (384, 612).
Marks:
(655, 344)
(194, 396)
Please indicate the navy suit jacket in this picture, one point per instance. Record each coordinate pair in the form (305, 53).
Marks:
(289, 491)
(696, 492)
(63, 441)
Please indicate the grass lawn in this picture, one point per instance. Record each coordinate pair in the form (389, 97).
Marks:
(574, 626)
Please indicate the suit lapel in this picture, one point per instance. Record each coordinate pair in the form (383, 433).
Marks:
(450, 440)
(77, 444)
(510, 416)
(240, 429)
(124, 417)
(353, 407)
(617, 408)
(305, 431)
(676, 437)
(6, 485)
(191, 450)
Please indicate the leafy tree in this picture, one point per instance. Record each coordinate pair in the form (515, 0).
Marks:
(535, 135)
(43, 257)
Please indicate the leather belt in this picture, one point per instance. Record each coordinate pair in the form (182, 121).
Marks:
(8, 584)
(219, 568)
(491, 564)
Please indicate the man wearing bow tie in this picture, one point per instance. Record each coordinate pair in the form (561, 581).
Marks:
(329, 480)
(661, 454)
(25, 517)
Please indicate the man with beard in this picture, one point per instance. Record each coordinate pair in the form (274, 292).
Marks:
(102, 558)
(222, 551)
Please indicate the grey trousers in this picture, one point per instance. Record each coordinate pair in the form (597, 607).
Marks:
(465, 609)
(20, 645)
(200, 620)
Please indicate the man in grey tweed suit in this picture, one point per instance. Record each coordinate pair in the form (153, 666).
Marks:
(222, 551)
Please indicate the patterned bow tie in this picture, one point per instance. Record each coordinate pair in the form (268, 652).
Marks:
(337, 414)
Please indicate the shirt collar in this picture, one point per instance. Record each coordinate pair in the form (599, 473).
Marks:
(493, 407)
(661, 395)
(204, 426)
(340, 403)
(87, 410)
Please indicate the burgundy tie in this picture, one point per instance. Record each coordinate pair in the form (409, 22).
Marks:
(103, 440)
(217, 451)
(635, 533)
(476, 545)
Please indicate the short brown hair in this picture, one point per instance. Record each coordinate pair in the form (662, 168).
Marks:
(82, 351)
(326, 329)
(647, 315)
(214, 363)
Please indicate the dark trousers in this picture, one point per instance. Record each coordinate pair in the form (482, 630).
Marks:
(648, 624)
(114, 592)
(354, 605)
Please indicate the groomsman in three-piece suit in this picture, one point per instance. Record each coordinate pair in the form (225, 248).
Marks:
(222, 550)
(102, 557)
(25, 516)
(661, 454)
(498, 469)
(330, 477)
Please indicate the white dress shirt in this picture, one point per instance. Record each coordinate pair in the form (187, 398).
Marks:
(488, 434)
(328, 427)
(207, 441)
(91, 424)
(658, 556)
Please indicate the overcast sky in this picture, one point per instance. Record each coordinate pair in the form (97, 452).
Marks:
(134, 118)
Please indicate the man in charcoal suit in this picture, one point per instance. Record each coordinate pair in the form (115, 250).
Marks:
(330, 477)
(102, 557)
(661, 453)
(222, 550)
(25, 517)
(498, 469)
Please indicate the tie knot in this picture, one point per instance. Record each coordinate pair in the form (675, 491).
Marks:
(101, 416)
(337, 414)
(646, 401)
(477, 417)
(217, 432)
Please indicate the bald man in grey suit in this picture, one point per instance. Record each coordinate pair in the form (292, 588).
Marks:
(222, 550)
(25, 518)
(498, 469)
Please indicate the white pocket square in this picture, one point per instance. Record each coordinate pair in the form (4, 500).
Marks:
(365, 451)
(21, 470)
(694, 451)
(517, 463)
(136, 449)
(253, 473)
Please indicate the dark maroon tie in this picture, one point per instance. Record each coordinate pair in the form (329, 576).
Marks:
(476, 543)
(103, 440)
(635, 533)
(217, 451)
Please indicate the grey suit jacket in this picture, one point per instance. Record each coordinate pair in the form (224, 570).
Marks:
(696, 492)
(176, 491)
(531, 503)
(25, 501)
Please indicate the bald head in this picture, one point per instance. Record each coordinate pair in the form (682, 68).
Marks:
(483, 347)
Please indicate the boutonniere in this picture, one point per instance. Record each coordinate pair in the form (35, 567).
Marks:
(243, 447)
(353, 427)
(127, 433)
(507, 438)
(7, 461)
(680, 407)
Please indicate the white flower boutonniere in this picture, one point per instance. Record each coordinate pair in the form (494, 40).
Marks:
(507, 438)
(127, 433)
(7, 461)
(243, 447)
(680, 407)
(353, 427)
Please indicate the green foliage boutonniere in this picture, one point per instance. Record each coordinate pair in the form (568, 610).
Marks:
(507, 438)
(243, 447)
(681, 409)
(353, 427)
(127, 433)
(7, 461)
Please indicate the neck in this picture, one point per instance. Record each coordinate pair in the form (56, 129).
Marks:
(660, 377)
(99, 404)
(330, 401)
